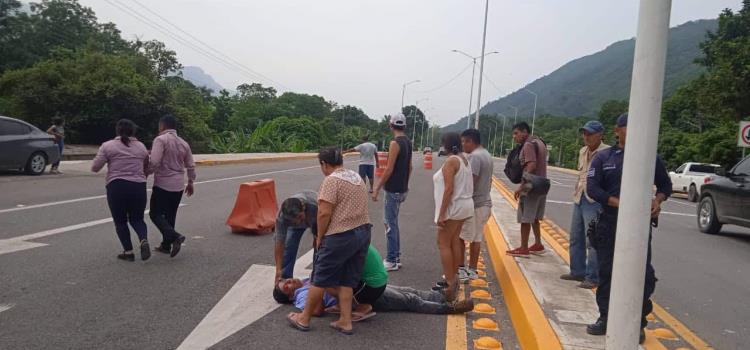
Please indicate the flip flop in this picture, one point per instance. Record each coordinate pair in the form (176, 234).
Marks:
(358, 317)
(335, 326)
(294, 323)
(333, 310)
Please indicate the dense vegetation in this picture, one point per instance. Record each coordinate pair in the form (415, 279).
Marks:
(58, 60)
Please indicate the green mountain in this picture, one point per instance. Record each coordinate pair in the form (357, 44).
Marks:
(581, 86)
(198, 77)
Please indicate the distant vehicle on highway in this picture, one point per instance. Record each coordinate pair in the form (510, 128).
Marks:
(25, 147)
(689, 178)
(427, 150)
(726, 199)
(442, 151)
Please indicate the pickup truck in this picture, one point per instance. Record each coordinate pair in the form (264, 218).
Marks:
(689, 178)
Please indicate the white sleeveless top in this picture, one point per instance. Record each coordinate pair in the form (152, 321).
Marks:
(462, 205)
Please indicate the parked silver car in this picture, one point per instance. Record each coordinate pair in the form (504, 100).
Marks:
(25, 147)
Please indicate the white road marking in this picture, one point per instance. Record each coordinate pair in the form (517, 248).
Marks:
(6, 307)
(75, 200)
(249, 300)
(663, 212)
(20, 243)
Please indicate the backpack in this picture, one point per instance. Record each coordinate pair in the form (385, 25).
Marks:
(513, 167)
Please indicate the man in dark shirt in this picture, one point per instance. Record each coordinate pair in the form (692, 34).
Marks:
(395, 180)
(298, 213)
(603, 185)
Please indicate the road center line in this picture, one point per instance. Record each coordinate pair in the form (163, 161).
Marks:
(6, 307)
(75, 200)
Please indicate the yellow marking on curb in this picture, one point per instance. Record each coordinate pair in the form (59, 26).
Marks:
(651, 343)
(533, 329)
(487, 343)
(478, 283)
(455, 332)
(481, 294)
(485, 324)
(483, 308)
(663, 333)
(481, 273)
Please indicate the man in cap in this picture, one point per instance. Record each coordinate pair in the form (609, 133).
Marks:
(395, 180)
(603, 185)
(583, 266)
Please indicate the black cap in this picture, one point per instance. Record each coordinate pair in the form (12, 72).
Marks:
(622, 120)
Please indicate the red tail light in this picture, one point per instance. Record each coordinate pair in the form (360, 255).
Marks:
(707, 180)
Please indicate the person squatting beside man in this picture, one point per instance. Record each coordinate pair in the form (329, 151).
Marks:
(603, 185)
(298, 213)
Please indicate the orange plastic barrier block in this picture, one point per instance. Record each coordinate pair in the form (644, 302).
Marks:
(382, 164)
(255, 208)
(428, 164)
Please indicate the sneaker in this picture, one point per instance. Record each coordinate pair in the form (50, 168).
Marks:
(440, 285)
(145, 250)
(463, 276)
(537, 249)
(176, 246)
(126, 256)
(460, 306)
(390, 266)
(472, 273)
(588, 285)
(570, 277)
(519, 252)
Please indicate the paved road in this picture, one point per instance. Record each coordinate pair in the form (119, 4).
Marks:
(61, 286)
(703, 279)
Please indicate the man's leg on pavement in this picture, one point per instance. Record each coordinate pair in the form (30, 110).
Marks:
(525, 233)
(392, 206)
(577, 242)
(649, 286)
(158, 211)
(174, 204)
(589, 213)
(605, 250)
(291, 248)
(396, 298)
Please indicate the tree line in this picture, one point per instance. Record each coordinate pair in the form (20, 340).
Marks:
(59, 61)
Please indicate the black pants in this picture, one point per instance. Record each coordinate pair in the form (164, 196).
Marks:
(127, 202)
(604, 244)
(163, 213)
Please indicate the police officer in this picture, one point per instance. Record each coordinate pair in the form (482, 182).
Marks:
(604, 179)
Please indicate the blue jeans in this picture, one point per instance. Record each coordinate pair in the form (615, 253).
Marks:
(60, 146)
(291, 246)
(392, 205)
(582, 254)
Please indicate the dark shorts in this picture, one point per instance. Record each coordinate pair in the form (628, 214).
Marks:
(365, 294)
(367, 171)
(341, 258)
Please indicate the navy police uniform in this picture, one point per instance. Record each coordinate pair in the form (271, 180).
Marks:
(604, 180)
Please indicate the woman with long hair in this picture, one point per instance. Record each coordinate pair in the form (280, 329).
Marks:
(342, 242)
(126, 159)
(454, 189)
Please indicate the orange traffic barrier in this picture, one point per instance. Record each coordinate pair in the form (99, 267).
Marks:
(382, 164)
(428, 156)
(428, 163)
(255, 208)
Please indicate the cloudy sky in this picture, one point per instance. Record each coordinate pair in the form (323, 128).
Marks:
(360, 52)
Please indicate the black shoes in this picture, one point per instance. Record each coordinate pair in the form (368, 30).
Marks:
(598, 328)
(126, 256)
(569, 277)
(177, 245)
(145, 250)
(163, 248)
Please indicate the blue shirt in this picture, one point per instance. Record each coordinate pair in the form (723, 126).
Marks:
(605, 176)
(300, 296)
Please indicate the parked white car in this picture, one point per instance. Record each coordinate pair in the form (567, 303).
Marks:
(689, 178)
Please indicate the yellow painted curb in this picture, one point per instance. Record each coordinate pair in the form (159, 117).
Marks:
(532, 327)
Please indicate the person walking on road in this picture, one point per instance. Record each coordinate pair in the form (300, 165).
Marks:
(603, 185)
(344, 231)
(472, 230)
(58, 131)
(368, 160)
(530, 206)
(170, 158)
(454, 191)
(395, 180)
(126, 159)
(298, 213)
(583, 266)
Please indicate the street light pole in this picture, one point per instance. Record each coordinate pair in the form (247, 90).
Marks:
(414, 118)
(533, 118)
(515, 116)
(494, 137)
(471, 91)
(633, 224)
(502, 138)
(403, 90)
(481, 65)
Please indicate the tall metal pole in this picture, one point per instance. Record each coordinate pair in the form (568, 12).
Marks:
(633, 225)
(481, 65)
(403, 90)
(502, 138)
(492, 140)
(533, 118)
(471, 94)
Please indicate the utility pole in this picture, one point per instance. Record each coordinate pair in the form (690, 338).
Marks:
(633, 224)
(502, 138)
(533, 118)
(403, 90)
(471, 93)
(481, 65)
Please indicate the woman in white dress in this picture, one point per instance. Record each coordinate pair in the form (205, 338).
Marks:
(454, 188)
